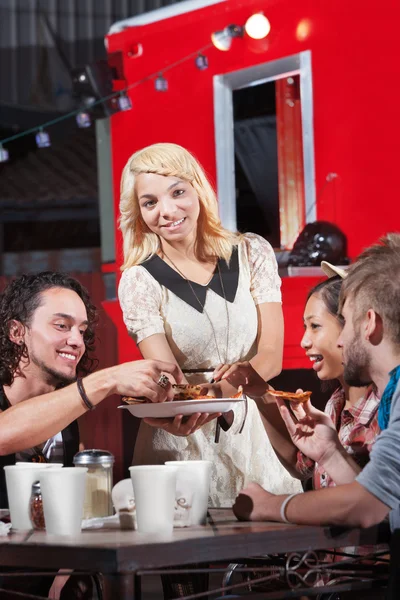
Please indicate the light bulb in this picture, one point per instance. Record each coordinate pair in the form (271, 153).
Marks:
(124, 102)
(257, 26)
(42, 139)
(303, 29)
(4, 156)
(83, 120)
(201, 62)
(161, 84)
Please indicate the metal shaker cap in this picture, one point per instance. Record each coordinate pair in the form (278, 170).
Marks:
(36, 487)
(94, 457)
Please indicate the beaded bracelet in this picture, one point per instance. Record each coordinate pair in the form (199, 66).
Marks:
(83, 394)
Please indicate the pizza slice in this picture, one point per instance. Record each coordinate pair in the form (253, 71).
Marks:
(298, 397)
(187, 391)
(193, 392)
(182, 391)
(129, 400)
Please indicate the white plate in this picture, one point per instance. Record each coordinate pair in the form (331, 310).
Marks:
(181, 407)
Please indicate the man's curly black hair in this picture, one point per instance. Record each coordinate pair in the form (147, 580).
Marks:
(20, 300)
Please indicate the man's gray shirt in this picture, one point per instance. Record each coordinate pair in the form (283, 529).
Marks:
(381, 476)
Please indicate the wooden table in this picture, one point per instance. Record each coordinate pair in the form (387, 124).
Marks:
(120, 554)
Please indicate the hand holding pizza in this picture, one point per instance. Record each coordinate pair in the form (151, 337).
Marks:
(242, 374)
(311, 430)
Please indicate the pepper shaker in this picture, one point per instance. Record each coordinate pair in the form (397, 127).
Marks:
(36, 507)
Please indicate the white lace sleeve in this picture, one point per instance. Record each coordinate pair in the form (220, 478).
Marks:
(265, 283)
(140, 298)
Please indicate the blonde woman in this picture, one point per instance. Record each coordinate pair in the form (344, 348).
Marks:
(199, 295)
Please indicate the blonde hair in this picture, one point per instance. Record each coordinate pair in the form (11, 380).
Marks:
(170, 160)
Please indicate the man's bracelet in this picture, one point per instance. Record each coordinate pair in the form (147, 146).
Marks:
(83, 394)
(284, 505)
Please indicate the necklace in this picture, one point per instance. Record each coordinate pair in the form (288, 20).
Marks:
(204, 310)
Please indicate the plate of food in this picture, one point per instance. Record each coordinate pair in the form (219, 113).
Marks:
(187, 401)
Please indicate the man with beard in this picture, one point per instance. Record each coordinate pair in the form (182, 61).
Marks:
(370, 340)
(47, 325)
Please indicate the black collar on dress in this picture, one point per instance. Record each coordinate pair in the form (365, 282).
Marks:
(169, 278)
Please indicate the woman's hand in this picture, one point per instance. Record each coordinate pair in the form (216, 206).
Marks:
(242, 374)
(180, 425)
(311, 430)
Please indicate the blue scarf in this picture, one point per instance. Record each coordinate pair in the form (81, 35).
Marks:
(386, 400)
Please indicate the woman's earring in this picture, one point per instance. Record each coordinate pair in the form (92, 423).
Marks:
(21, 342)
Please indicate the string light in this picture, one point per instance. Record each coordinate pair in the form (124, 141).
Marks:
(43, 139)
(4, 155)
(124, 102)
(83, 120)
(161, 84)
(121, 97)
(112, 96)
(201, 62)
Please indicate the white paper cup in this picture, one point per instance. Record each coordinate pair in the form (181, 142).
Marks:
(19, 479)
(63, 492)
(154, 491)
(194, 475)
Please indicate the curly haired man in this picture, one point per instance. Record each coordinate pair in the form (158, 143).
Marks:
(47, 330)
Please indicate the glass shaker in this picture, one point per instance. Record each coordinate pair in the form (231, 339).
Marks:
(36, 507)
(99, 482)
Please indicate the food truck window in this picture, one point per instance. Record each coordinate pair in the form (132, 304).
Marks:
(256, 161)
(264, 148)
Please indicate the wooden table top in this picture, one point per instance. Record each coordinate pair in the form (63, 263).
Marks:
(112, 550)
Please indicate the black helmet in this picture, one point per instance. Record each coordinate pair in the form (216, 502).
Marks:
(319, 241)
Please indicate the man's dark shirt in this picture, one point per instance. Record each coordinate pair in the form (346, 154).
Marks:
(70, 437)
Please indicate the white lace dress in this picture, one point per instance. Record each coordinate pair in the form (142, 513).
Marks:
(150, 308)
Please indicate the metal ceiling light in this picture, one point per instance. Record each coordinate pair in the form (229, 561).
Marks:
(124, 102)
(223, 39)
(257, 26)
(42, 139)
(92, 85)
(161, 84)
(4, 155)
(83, 120)
(201, 62)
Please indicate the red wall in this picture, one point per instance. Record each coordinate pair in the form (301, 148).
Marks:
(356, 125)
